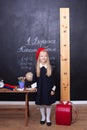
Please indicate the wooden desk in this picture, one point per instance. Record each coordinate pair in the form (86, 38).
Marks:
(26, 92)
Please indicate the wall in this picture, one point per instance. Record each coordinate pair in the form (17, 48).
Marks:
(27, 25)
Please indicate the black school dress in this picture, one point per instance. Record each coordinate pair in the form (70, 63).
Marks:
(44, 88)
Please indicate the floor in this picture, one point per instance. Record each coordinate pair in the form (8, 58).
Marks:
(15, 120)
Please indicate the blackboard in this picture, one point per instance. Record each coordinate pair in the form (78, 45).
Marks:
(27, 25)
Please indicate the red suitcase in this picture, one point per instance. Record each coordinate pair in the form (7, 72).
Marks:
(63, 113)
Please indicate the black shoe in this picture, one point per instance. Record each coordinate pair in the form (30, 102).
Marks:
(42, 122)
(49, 123)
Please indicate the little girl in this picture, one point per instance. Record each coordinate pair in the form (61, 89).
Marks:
(45, 95)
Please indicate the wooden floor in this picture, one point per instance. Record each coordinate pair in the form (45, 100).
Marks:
(15, 120)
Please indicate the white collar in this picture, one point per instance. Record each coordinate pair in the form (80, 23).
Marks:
(43, 65)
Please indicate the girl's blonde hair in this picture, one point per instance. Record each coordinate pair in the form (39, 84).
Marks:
(49, 68)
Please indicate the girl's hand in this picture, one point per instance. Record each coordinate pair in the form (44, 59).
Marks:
(52, 93)
(35, 89)
(24, 78)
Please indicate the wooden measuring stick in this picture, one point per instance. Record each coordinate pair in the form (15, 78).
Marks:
(64, 54)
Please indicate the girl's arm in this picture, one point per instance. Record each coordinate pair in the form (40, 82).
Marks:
(53, 90)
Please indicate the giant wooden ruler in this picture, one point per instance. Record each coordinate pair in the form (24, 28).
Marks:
(64, 54)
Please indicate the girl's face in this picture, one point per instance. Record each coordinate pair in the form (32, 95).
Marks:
(43, 57)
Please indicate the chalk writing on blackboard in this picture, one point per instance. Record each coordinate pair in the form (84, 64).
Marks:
(30, 43)
(26, 52)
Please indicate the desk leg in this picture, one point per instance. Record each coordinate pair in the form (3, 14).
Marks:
(26, 109)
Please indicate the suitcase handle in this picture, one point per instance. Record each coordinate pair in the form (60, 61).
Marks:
(66, 102)
(75, 113)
